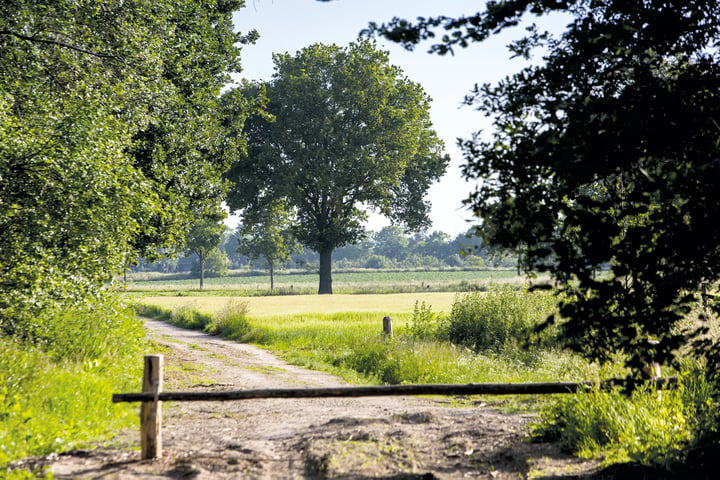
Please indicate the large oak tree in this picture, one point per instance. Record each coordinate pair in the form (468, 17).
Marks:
(350, 132)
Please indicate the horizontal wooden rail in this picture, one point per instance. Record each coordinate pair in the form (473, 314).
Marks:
(376, 391)
(153, 396)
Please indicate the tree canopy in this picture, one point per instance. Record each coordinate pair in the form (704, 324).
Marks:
(268, 236)
(109, 137)
(603, 157)
(350, 132)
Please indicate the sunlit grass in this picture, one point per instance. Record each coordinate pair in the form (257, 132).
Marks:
(293, 305)
(56, 383)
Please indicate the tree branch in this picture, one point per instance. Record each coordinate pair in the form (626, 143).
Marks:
(61, 44)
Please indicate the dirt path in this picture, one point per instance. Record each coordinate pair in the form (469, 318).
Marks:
(390, 437)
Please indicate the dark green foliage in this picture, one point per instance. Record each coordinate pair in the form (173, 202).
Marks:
(603, 170)
(604, 156)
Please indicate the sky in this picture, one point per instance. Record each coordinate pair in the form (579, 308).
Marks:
(287, 26)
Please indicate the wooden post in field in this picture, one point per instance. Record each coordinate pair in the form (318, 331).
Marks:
(387, 326)
(151, 412)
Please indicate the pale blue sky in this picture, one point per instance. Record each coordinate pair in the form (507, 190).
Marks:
(290, 25)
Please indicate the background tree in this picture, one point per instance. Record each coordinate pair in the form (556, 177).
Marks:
(215, 265)
(108, 136)
(350, 133)
(204, 236)
(268, 235)
(605, 155)
(390, 242)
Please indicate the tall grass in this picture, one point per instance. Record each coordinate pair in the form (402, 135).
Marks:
(649, 426)
(229, 322)
(56, 383)
(352, 345)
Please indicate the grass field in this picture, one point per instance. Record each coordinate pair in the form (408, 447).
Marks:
(371, 281)
(289, 305)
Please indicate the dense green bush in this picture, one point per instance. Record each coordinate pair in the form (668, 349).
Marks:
(377, 261)
(499, 319)
(425, 324)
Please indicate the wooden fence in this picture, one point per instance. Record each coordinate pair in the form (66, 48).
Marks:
(153, 396)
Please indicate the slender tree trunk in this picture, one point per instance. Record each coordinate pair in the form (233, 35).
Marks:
(201, 259)
(325, 272)
(272, 276)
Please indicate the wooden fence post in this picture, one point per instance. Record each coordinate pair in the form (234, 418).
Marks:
(151, 412)
(387, 326)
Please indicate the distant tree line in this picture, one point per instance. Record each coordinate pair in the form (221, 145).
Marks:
(386, 248)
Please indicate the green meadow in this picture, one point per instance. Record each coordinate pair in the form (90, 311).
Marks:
(241, 282)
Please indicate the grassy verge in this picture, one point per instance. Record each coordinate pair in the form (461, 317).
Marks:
(56, 383)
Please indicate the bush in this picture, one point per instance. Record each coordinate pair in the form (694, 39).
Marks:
(499, 319)
(377, 261)
(454, 261)
(425, 324)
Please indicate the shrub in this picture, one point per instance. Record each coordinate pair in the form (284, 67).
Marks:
(377, 261)
(425, 323)
(454, 260)
(498, 319)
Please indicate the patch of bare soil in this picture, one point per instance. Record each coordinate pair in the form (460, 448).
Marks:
(388, 437)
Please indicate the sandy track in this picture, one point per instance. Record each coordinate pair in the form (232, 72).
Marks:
(388, 437)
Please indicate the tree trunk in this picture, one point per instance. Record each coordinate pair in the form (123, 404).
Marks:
(325, 272)
(272, 275)
(201, 259)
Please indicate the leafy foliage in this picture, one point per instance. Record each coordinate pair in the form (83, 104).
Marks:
(108, 134)
(203, 239)
(603, 157)
(268, 235)
(350, 132)
(603, 167)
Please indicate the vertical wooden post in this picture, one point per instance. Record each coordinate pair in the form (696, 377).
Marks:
(151, 412)
(387, 326)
